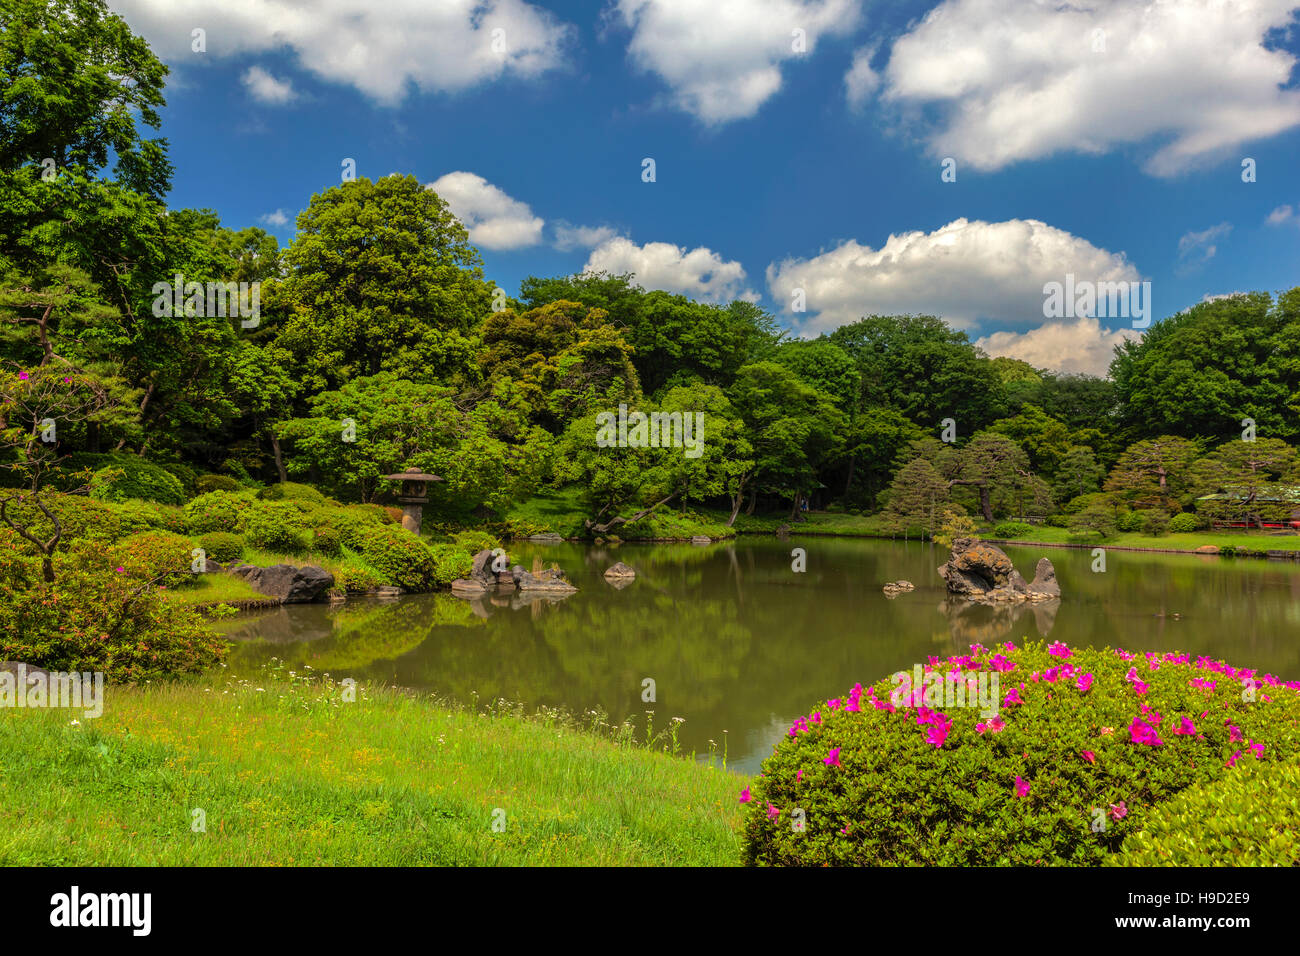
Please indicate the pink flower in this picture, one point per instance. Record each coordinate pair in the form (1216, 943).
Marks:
(1185, 726)
(996, 724)
(772, 812)
(1084, 682)
(744, 796)
(1012, 697)
(1258, 749)
(1232, 761)
(938, 734)
(23, 376)
(1234, 734)
(1144, 733)
(1022, 787)
(798, 775)
(834, 759)
(999, 663)
(1118, 811)
(1059, 650)
(121, 570)
(1089, 756)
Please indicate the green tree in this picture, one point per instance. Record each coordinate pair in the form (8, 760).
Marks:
(1155, 471)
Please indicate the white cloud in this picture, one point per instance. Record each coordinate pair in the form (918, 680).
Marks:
(722, 58)
(700, 273)
(379, 48)
(494, 219)
(1023, 81)
(965, 272)
(265, 88)
(569, 236)
(277, 218)
(1280, 215)
(1197, 248)
(861, 80)
(1077, 345)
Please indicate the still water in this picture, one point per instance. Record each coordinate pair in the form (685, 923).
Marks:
(737, 642)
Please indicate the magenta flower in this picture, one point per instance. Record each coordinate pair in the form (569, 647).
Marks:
(938, 734)
(1084, 682)
(834, 759)
(23, 376)
(798, 775)
(1089, 756)
(1144, 733)
(1232, 761)
(1185, 726)
(999, 663)
(1012, 697)
(1118, 811)
(744, 796)
(1059, 650)
(1257, 748)
(1022, 787)
(121, 570)
(772, 812)
(1234, 734)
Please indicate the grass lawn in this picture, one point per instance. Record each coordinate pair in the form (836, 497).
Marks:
(214, 589)
(1044, 534)
(288, 773)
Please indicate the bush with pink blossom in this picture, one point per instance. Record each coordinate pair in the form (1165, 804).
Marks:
(1083, 745)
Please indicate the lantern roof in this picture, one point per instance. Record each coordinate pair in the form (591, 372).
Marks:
(412, 474)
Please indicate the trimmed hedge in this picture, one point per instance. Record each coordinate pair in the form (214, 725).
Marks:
(222, 546)
(292, 491)
(1184, 523)
(1084, 744)
(124, 478)
(154, 554)
(1251, 818)
(1012, 529)
(205, 483)
(217, 511)
(276, 526)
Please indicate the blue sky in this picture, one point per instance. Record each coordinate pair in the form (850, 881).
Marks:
(1104, 142)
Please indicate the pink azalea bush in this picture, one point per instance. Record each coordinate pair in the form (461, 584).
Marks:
(1081, 734)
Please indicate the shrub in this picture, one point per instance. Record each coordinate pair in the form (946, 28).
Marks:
(1184, 523)
(206, 483)
(1251, 817)
(931, 785)
(125, 478)
(1059, 521)
(1012, 529)
(186, 475)
(276, 526)
(222, 546)
(394, 514)
(217, 511)
(325, 540)
(1129, 522)
(292, 491)
(350, 522)
(78, 516)
(154, 554)
(93, 618)
(475, 541)
(354, 576)
(451, 561)
(1155, 522)
(400, 557)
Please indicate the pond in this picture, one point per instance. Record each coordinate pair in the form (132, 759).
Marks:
(739, 644)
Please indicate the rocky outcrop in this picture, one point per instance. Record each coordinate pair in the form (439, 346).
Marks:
(982, 572)
(895, 588)
(484, 580)
(701, 539)
(548, 579)
(287, 583)
(619, 570)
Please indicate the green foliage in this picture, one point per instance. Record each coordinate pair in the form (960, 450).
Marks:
(1012, 529)
(1155, 522)
(449, 563)
(292, 491)
(911, 794)
(152, 555)
(1251, 818)
(206, 483)
(222, 546)
(1184, 523)
(276, 526)
(217, 511)
(355, 576)
(401, 557)
(955, 524)
(475, 541)
(326, 540)
(129, 477)
(1130, 522)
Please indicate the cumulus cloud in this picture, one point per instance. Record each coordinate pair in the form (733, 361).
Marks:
(722, 59)
(569, 236)
(1023, 81)
(277, 218)
(700, 273)
(1079, 345)
(1197, 248)
(381, 48)
(966, 272)
(1281, 214)
(265, 88)
(494, 219)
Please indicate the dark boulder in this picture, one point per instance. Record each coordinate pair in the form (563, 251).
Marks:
(287, 582)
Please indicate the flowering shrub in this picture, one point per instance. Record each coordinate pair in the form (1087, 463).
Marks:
(1249, 818)
(153, 555)
(325, 540)
(96, 618)
(1084, 744)
(217, 511)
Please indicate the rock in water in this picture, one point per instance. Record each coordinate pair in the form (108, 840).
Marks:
(287, 582)
(895, 588)
(619, 570)
(983, 572)
(1044, 581)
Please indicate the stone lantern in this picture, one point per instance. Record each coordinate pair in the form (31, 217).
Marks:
(414, 496)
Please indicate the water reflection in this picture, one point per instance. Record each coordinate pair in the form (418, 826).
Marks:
(737, 641)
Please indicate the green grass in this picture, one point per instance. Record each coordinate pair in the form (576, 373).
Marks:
(563, 512)
(214, 589)
(288, 773)
(1045, 534)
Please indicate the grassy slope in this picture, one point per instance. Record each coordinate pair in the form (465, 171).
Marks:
(292, 775)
